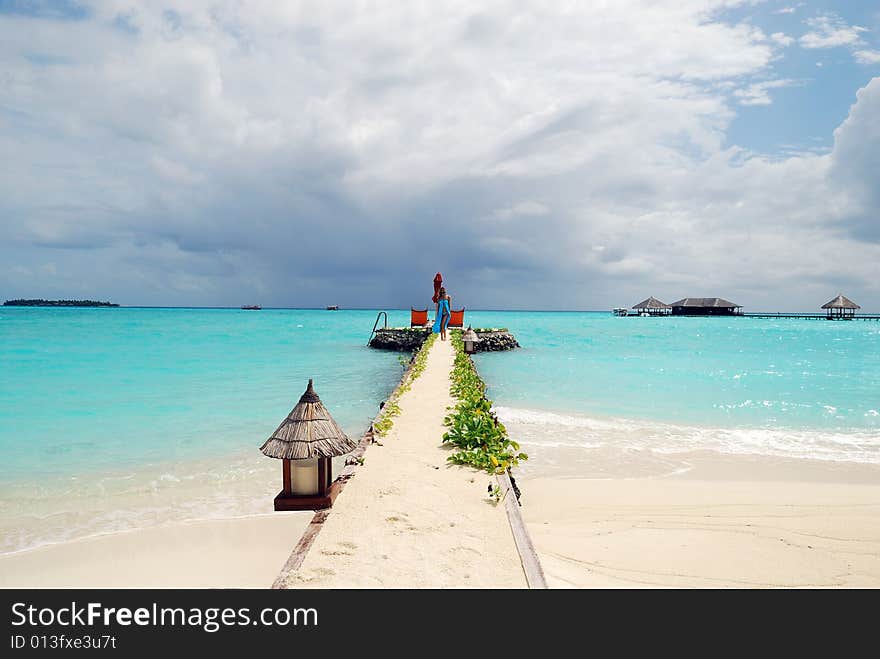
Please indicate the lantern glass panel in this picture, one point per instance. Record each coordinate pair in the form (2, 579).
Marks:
(304, 474)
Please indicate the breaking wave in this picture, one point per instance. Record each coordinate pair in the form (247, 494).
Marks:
(548, 430)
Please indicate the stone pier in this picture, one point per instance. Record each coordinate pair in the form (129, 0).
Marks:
(410, 339)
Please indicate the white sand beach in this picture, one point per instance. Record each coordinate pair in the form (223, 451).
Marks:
(244, 552)
(408, 519)
(810, 528)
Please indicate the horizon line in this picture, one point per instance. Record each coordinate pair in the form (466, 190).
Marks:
(818, 312)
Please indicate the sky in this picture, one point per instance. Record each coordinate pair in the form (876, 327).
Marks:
(552, 155)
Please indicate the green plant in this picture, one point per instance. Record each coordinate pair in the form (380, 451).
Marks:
(481, 439)
(385, 421)
(421, 358)
(419, 362)
(495, 493)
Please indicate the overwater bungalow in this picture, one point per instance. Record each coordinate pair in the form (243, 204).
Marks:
(840, 308)
(705, 306)
(652, 307)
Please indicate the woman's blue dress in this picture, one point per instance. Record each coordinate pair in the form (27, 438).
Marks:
(442, 310)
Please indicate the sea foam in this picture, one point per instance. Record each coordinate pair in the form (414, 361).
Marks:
(547, 430)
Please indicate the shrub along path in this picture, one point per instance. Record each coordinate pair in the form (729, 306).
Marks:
(408, 518)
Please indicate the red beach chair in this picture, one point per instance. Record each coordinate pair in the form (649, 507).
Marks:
(418, 317)
(456, 318)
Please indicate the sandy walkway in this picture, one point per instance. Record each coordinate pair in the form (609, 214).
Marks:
(407, 519)
(707, 534)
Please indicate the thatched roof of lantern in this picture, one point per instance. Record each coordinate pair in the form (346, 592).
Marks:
(308, 432)
(841, 302)
(651, 303)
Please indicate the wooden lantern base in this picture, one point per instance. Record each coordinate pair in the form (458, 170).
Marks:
(315, 502)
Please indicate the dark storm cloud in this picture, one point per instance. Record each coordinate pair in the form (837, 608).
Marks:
(309, 154)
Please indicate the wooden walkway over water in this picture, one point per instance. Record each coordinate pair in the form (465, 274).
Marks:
(809, 316)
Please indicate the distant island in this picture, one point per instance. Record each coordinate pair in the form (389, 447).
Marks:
(57, 303)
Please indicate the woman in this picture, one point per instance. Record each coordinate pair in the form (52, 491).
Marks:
(442, 315)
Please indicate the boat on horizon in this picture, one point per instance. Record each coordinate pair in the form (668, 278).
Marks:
(251, 307)
(333, 307)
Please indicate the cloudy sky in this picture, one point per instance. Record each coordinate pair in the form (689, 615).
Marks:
(562, 155)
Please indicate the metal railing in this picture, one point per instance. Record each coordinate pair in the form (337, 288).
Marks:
(376, 324)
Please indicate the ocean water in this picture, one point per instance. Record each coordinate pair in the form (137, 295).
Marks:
(112, 419)
(602, 396)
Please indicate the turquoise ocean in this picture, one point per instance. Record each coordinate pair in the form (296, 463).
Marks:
(113, 419)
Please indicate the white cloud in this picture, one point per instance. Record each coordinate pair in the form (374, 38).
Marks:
(856, 163)
(830, 31)
(867, 56)
(522, 209)
(782, 39)
(175, 172)
(758, 93)
(180, 163)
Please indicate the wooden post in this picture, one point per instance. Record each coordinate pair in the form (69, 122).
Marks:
(285, 469)
(528, 555)
(322, 475)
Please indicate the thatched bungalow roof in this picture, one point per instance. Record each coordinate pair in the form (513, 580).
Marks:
(308, 432)
(704, 302)
(841, 302)
(651, 303)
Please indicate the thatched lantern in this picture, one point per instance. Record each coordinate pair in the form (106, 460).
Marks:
(470, 338)
(306, 442)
